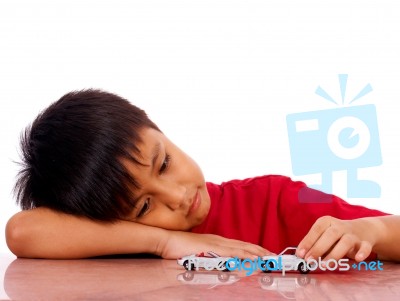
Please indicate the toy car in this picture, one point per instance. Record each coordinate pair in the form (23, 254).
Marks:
(287, 285)
(211, 278)
(208, 261)
(286, 261)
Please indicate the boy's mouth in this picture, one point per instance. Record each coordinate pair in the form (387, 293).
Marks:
(196, 201)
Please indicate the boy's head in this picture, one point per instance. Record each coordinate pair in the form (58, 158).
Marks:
(92, 153)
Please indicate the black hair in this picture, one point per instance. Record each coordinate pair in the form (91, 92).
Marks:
(72, 155)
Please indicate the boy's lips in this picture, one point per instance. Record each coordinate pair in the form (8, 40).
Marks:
(195, 203)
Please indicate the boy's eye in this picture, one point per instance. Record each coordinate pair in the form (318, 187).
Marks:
(145, 207)
(165, 164)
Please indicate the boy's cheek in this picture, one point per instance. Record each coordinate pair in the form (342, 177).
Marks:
(165, 220)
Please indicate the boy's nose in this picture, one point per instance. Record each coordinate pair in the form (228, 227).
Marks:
(174, 197)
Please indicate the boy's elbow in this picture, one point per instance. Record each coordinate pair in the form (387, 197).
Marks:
(17, 234)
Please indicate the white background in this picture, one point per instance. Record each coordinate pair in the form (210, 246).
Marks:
(218, 77)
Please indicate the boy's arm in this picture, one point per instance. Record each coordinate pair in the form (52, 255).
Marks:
(45, 233)
(387, 244)
(333, 238)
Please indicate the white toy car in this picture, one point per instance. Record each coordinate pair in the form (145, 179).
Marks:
(285, 261)
(287, 285)
(208, 261)
(211, 278)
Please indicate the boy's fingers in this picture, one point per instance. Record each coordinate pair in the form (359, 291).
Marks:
(350, 246)
(364, 251)
(319, 227)
(325, 243)
(236, 248)
(251, 251)
(346, 244)
(257, 250)
(249, 248)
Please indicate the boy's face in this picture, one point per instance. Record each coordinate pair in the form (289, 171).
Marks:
(173, 193)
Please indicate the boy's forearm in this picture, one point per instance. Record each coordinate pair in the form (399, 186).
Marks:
(387, 244)
(383, 233)
(44, 233)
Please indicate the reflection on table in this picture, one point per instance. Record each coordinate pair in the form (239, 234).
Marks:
(211, 278)
(287, 285)
(157, 279)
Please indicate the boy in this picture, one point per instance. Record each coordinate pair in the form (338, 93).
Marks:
(100, 178)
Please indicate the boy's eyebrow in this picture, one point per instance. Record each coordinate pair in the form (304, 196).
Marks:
(155, 155)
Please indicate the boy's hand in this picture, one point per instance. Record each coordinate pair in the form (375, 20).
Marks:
(332, 238)
(178, 244)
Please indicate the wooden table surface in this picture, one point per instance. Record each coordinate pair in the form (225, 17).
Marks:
(157, 279)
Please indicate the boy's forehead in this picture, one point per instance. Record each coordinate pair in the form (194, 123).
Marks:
(148, 150)
(150, 144)
(140, 162)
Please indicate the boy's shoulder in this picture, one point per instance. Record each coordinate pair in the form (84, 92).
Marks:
(263, 179)
(260, 185)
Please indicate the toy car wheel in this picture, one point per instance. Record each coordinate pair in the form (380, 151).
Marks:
(267, 268)
(226, 267)
(267, 280)
(222, 277)
(188, 266)
(302, 268)
(189, 275)
(303, 280)
(263, 268)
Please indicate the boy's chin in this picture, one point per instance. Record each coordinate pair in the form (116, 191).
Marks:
(197, 221)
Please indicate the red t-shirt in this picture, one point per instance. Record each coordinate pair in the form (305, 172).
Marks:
(272, 211)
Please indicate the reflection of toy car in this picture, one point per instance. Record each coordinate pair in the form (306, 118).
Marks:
(285, 261)
(213, 278)
(287, 285)
(208, 261)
